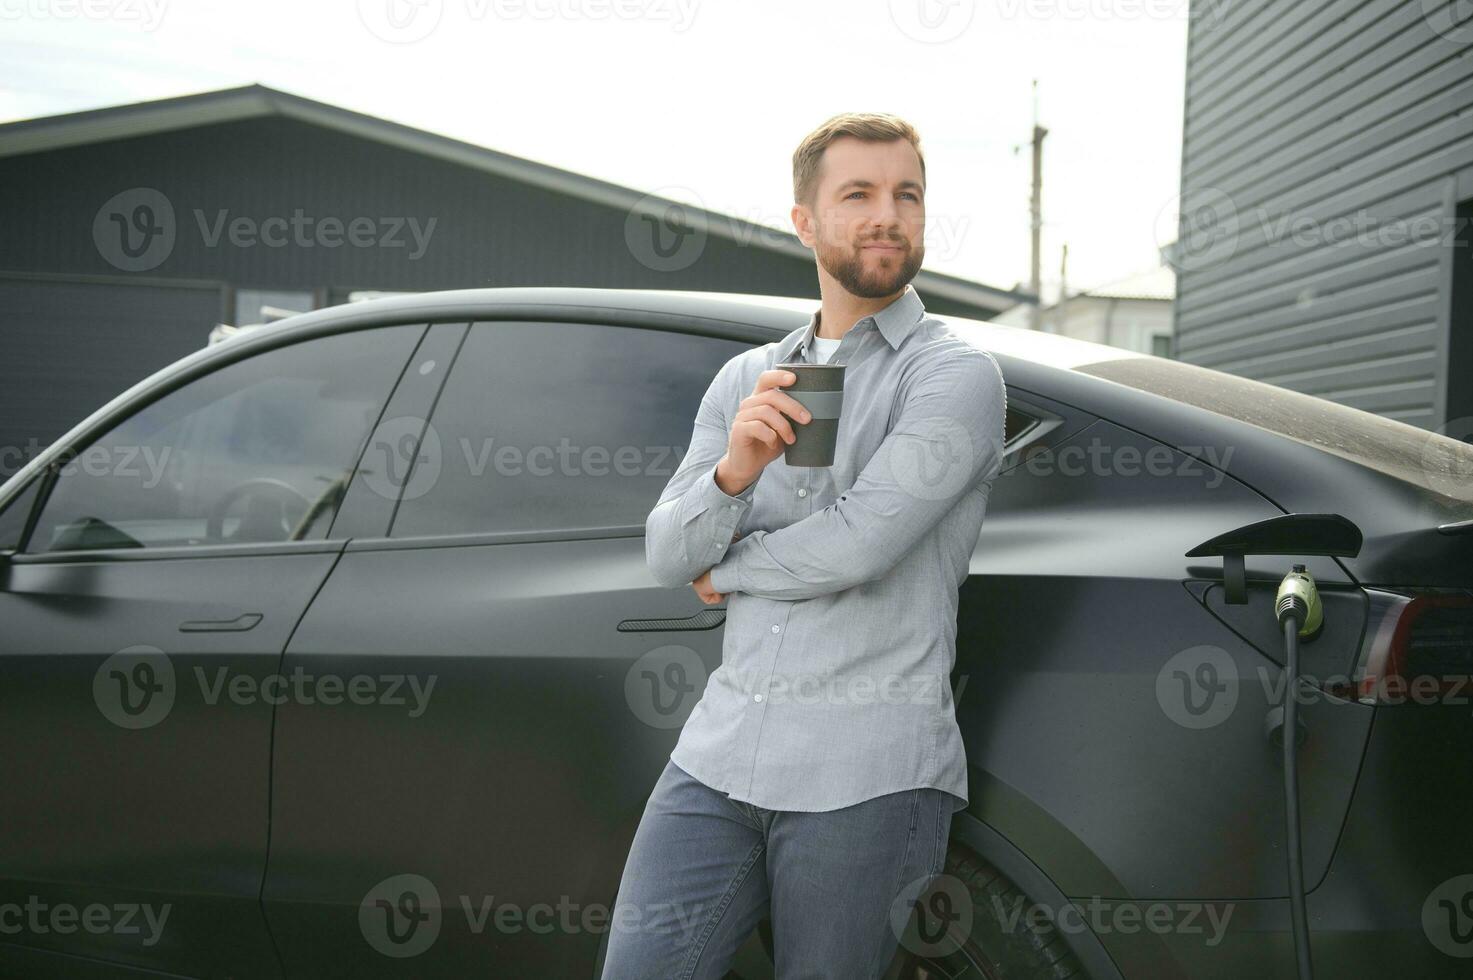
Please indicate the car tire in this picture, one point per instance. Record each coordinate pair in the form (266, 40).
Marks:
(1003, 941)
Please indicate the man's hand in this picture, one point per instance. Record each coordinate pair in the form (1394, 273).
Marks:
(760, 432)
(703, 589)
(702, 585)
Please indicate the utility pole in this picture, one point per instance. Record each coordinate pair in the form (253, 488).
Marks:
(1035, 279)
(1059, 308)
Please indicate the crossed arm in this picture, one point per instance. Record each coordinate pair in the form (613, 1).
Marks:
(694, 520)
(947, 439)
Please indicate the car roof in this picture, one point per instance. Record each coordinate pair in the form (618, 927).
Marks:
(770, 314)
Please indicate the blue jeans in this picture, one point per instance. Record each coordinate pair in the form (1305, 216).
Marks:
(704, 869)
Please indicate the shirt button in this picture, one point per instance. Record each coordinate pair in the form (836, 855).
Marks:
(802, 491)
(756, 697)
(776, 628)
(731, 507)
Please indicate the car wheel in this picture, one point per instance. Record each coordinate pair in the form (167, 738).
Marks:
(974, 922)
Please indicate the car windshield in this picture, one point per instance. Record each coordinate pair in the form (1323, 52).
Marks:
(1437, 464)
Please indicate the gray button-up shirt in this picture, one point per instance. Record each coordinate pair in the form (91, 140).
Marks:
(840, 635)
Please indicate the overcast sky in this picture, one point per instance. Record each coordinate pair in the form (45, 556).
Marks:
(700, 100)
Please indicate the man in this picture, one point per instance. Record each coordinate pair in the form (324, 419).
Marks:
(816, 778)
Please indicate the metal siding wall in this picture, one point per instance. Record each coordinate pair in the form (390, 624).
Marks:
(72, 346)
(489, 231)
(1316, 113)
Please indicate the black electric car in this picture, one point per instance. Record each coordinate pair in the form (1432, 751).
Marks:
(328, 652)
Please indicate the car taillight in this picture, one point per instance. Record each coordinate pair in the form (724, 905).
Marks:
(1418, 647)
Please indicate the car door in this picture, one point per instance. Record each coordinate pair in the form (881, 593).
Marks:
(524, 678)
(145, 615)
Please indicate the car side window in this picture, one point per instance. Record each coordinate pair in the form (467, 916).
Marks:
(13, 518)
(256, 451)
(557, 426)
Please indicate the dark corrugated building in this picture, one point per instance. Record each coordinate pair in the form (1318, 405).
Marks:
(131, 231)
(1327, 186)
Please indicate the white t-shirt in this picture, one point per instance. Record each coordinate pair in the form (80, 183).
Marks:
(823, 349)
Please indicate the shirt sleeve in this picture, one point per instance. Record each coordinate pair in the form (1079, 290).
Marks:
(947, 440)
(692, 524)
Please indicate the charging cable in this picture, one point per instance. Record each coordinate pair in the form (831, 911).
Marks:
(1301, 615)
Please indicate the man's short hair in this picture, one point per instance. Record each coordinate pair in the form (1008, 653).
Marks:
(873, 127)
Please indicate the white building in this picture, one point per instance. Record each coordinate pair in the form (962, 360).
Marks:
(1133, 313)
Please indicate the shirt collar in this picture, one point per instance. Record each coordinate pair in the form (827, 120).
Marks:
(894, 322)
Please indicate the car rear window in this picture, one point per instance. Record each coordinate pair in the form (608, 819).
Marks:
(1438, 464)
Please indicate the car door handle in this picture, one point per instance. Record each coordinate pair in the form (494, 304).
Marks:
(706, 619)
(239, 624)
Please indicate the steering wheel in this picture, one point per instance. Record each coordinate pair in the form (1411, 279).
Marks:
(257, 517)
